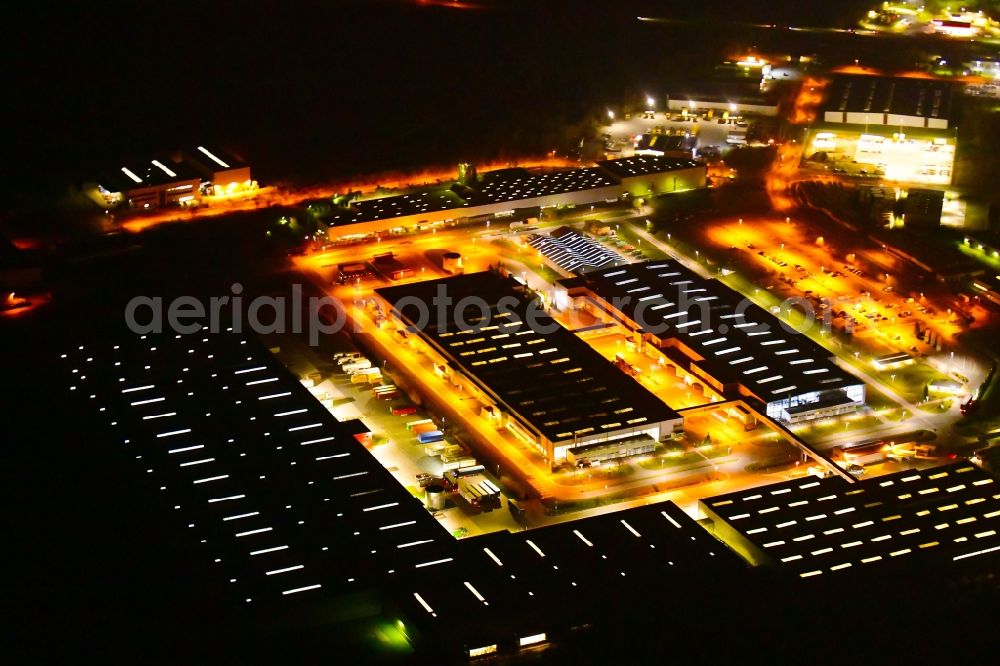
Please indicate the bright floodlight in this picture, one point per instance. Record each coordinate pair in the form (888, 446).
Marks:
(650, 101)
(611, 114)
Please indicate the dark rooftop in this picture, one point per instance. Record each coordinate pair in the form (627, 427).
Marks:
(517, 184)
(211, 159)
(541, 371)
(400, 205)
(155, 172)
(740, 341)
(643, 165)
(281, 497)
(901, 96)
(817, 527)
(535, 581)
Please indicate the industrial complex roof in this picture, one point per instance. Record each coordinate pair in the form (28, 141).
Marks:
(286, 504)
(740, 342)
(541, 371)
(553, 572)
(281, 497)
(896, 95)
(401, 205)
(516, 186)
(645, 165)
(212, 159)
(156, 172)
(820, 526)
(506, 185)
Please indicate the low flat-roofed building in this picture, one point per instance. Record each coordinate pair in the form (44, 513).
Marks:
(734, 346)
(890, 101)
(546, 188)
(158, 183)
(722, 98)
(410, 210)
(542, 382)
(280, 498)
(649, 175)
(513, 591)
(505, 191)
(225, 173)
(818, 527)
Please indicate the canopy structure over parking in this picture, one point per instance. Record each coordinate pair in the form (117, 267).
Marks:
(573, 251)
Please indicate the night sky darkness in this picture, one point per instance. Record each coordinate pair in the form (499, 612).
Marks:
(310, 91)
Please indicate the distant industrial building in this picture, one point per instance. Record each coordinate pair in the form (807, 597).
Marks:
(552, 188)
(156, 184)
(182, 182)
(506, 191)
(737, 348)
(650, 175)
(531, 376)
(720, 101)
(819, 527)
(889, 101)
(223, 172)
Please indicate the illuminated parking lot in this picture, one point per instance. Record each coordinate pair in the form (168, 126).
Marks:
(891, 155)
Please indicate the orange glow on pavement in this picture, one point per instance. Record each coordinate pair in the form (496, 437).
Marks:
(789, 153)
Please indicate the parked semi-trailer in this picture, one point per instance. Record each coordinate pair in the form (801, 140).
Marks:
(430, 436)
(403, 410)
(360, 364)
(423, 427)
(414, 424)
